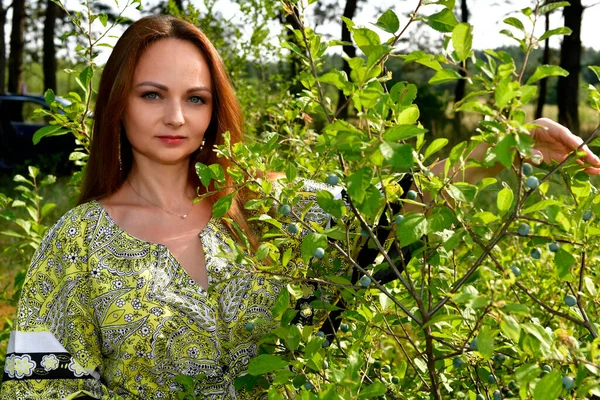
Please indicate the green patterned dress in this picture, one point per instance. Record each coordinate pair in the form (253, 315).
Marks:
(103, 313)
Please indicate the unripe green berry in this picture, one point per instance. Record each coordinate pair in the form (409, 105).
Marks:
(570, 300)
(553, 247)
(250, 326)
(524, 229)
(515, 270)
(332, 179)
(532, 182)
(319, 253)
(386, 368)
(292, 228)
(411, 195)
(344, 328)
(285, 209)
(365, 281)
(527, 169)
(457, 362)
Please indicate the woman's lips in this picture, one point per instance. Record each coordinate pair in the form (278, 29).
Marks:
(171, 139)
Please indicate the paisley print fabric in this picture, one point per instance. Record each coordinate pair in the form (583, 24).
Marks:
(104, 313)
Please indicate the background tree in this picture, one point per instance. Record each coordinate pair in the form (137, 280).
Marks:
(570, 60)
(49, 56)
(545, 61)
(3, 12)
(350, 50)
(15, 61)
(459, 91)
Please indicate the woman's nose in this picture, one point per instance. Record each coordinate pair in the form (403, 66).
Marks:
(174, 114)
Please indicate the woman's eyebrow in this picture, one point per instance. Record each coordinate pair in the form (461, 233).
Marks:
(166, 89)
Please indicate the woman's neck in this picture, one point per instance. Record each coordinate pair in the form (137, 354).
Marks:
(164, 185)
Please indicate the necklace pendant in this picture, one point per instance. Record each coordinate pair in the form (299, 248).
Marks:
(184, 217)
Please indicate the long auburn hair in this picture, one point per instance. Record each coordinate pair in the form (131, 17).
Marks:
(102, 175)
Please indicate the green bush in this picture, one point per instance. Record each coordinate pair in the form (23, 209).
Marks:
(485, 307)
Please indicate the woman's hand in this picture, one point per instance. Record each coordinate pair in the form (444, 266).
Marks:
(554, 142)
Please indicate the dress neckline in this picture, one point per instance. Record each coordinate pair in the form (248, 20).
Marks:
(201, 234)
(210, 226)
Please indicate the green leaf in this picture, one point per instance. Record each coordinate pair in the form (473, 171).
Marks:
(403, 93)
(358, 183)
(85, 76)
(545, 71)
(266, 363)
(282, 303)
(397, 155)
(217, 172)
(203, 173)
(504, 150)
(46, 131)
(372, 391)
(505, 200)
(291, 171)
(367, 41)
(402, 132)
(388, 22)
(526, 373)
(313, 346)
(409, 116)
(595, 70)
(564, 261)
(485, 342)
(563, 30)
(434, 147)
(49, 96)
(541, 205)
(545, 9)
(444, 21)
(103, 19)
(293, 337)
(411, 229)
(510, 327)
(334, 207)
(262, 251)
(549, 387)
(310, 243)
(339, 79)
(222, 206)
(462, 40)
(443, 76)
(512, 21)
(372, 203)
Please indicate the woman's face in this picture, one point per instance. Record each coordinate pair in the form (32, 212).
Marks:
(170, 104)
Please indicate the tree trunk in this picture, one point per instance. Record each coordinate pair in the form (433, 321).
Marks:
(294, 60)
(15, 60)
(539, 112)
(350, 50)
(459, 90)
(570, 60)
(49, 48)
(2, 49)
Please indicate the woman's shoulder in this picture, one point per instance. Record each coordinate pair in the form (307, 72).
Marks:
(75, 221)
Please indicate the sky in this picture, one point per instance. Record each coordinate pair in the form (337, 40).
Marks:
(486, 18)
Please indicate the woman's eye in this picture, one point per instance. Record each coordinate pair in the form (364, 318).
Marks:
(150, 95)
(196, 100)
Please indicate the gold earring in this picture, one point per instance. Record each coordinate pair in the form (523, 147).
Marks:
(119, 156)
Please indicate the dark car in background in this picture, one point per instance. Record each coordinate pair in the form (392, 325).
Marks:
(18, 124)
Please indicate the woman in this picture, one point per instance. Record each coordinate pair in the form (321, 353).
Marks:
(115, 300)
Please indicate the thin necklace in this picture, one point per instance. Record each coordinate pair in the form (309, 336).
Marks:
(184, 216)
